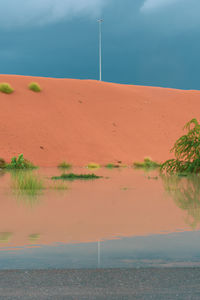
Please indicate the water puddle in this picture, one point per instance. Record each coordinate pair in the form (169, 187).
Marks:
(127, 218)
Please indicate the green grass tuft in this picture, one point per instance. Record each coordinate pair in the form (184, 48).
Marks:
(72, 176)
(6, 88)
(27, 183)
(18, 163)
(146, 164)
(111, 166)
(34, 86)
(64, 165)
(93, 166)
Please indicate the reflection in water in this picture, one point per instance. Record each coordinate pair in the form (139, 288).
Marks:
(5, 237)
(185, 192)
(34, 238)
(2, 173)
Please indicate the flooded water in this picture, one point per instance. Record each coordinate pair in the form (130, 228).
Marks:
(128, 218)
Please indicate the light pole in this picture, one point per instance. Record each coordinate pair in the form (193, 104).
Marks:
(100, 49)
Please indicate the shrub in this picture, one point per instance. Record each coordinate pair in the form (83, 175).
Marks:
(2, 163)
(146, 164)
(186, 151)
(34, 86)
(93, 166)
(6, 88)
(19, 163)
(64, 165)
(72, 176)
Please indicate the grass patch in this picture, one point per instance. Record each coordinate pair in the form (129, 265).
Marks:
(72, 176)
(59, 187)
(6, 88)
(2, 163)
(34, 86)
(18, 163)
(27, 183)
(93, 166)
(146, 164)
(112, 166)
(64, 165)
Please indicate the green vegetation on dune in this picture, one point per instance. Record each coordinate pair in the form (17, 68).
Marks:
(64, 165)
(111, 166)
(6, 88)
(186, 151)
(19, 163)
(34, 86)
(72, 176)
(146, 164)
(93, 166)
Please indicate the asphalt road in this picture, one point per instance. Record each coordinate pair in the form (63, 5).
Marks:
(109, 284)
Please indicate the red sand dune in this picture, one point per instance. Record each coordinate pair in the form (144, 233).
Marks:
(90, 121)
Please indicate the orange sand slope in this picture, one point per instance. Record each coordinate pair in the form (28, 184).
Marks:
(89, 121)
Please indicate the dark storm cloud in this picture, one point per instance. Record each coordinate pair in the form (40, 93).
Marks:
(40, 12)
(147, 42)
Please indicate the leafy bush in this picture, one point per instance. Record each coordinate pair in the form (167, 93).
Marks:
(93, 166)
(146, 164)
(72, 176)
(6, 88)
(34, 86)
(186, 151)
(2, 163)
(19, 163)
(64, 165)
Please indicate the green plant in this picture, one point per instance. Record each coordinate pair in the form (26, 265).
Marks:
(64, 165)
(186, 151)
(93, 166)
(27, 183)
(72, 176)
(146, 164)
(6, 88)
(111, 166)
(2, 163)
(19, 163)
(34, 86)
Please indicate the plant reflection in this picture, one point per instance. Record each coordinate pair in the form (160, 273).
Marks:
(34, 238)
(185, 192)
(5, 237)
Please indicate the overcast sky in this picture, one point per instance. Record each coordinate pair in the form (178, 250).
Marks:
(146, 42)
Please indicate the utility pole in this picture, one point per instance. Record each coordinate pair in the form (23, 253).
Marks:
(100, 48)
